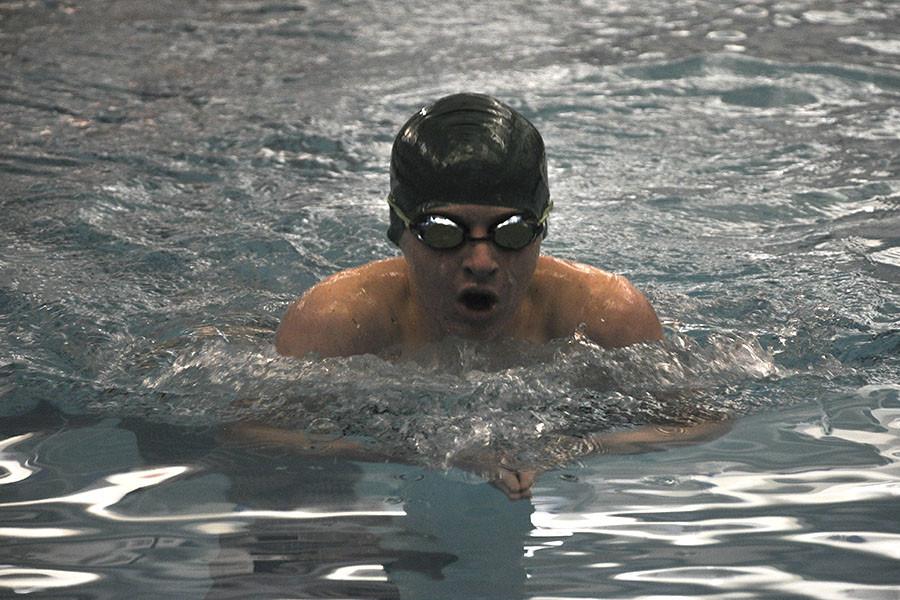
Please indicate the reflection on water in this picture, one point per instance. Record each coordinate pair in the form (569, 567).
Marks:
(175, 173)
(884, 544)
(26, 581)
(99, 500)
(176, 521)
(13, 470)
(715, 512)
(358, 573)
(738, 513)
(760, 579)
(727, 491)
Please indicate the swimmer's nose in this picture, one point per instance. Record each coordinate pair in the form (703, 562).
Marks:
(480, 260)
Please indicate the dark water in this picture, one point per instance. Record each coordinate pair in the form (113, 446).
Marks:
(174, 174)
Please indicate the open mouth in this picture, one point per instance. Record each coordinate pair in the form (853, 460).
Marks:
(478, 301)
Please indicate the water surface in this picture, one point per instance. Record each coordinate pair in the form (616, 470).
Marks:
(174, 174)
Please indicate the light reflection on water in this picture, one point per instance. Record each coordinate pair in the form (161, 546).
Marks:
(99, 500)
(830, 485)
(695, 505)
(884, 544)
(358, 573)
(746, 580)
(27, 581)
(14, 470)
(739, 511)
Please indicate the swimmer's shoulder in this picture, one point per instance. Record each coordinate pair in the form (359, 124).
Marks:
(351, 312)
(604, 305)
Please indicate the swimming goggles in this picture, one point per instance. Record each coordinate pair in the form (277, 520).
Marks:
(445, 233)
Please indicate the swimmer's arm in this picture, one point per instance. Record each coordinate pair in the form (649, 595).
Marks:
(516, 481)
(605, 307)
(333, 318)
(310, 326)
(633, 441)
(617, 314)
(248, 433)
(491, 465)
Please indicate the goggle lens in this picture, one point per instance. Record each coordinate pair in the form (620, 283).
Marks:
(515, 235)
(440, 233)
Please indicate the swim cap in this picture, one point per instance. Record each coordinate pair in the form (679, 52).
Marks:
(467, 149)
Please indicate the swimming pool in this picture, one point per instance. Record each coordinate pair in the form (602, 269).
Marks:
(174, 174)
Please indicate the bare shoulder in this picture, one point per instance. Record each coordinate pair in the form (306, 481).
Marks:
(610, 309)
(351, 312)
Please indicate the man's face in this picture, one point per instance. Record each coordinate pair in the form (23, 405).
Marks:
(475, 290)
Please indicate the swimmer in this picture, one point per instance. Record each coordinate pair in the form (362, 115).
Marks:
(469, 206)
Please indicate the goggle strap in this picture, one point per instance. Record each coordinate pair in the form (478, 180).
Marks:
(406, 220)
(546, 213)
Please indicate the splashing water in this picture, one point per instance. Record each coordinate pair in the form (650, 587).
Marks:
(456, 394)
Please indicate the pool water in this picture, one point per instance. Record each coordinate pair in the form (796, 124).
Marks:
(174, 174)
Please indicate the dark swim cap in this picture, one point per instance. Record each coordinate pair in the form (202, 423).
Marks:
(467, 149)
